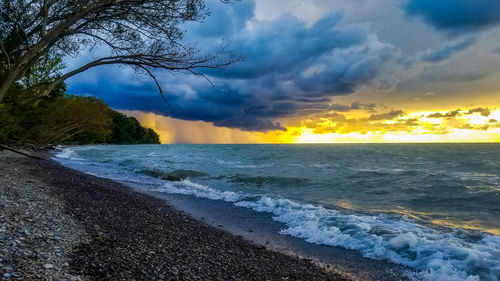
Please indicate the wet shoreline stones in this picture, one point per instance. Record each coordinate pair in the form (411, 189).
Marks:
(88, 228)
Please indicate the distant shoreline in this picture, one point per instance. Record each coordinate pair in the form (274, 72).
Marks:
(97, 229)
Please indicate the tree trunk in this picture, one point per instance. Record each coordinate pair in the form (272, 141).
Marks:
(16, 73)
(6, 84)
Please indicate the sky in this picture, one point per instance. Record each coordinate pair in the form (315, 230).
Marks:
(324, 71)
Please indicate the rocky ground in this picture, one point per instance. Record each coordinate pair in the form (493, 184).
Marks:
(37, 236)
(60, 224)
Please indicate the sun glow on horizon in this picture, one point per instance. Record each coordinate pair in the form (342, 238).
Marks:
(457, 136)
(472, 125)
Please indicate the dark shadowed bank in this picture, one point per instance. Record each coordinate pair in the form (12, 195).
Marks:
(101, 230)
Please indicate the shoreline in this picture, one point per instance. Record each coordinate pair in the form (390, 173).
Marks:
(104, 230)
(260, 228)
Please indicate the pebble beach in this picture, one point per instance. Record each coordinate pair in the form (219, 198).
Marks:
(60, 224)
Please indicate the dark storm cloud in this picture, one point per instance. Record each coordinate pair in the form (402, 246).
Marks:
(289, 69)
(250, 124)
(456, 16)
(285, 45)
(447, 51)
(312, 100)
(370, 107)
(340, 107)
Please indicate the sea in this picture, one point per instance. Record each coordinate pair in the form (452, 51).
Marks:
(433, 208)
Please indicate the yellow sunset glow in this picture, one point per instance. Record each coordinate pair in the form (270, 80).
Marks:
(456, 136)
(470, 125)
(440, 126)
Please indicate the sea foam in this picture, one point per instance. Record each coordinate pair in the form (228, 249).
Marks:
(67, 153)
(439, 256)
(436, 255)
(187, 187)
(444, 254)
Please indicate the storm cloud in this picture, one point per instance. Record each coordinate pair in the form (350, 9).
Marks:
(456, 16)
(294, 67)
(446, 51)
(289, 68)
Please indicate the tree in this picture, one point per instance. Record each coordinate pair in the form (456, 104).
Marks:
(19, 113)
(127, 130)
(143, 34)
(67, 117)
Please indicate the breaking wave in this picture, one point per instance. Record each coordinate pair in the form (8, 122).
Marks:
(453, 255)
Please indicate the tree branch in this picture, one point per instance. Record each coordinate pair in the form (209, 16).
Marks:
(19, 152)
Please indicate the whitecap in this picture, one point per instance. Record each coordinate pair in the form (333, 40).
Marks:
(437, 255)
(187, 187)
(67, 153)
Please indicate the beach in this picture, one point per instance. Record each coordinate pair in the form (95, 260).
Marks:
(57, 223)
(304, 140)
(373, 211)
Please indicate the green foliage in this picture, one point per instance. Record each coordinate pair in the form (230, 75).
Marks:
(65, 119)
(127, 130)
(46, 70)
(20, 113)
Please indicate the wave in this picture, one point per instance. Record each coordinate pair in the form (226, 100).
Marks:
(447, 253)
(126, 162)
(187, 187)
(176, 175)
(453, 255)
(379, 171)
(393, 172)
(67, 153)
(480, 177)
(239, 165)
(261, 180)
(439, 256)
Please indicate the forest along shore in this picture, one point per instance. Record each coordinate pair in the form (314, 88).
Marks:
(58, 223)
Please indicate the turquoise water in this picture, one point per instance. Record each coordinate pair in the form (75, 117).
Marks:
(432, 207)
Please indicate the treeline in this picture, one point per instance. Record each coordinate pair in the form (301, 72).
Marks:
(60, 118)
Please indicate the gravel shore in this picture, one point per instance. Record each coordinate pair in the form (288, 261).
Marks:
(60, 224)
(37, 235)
